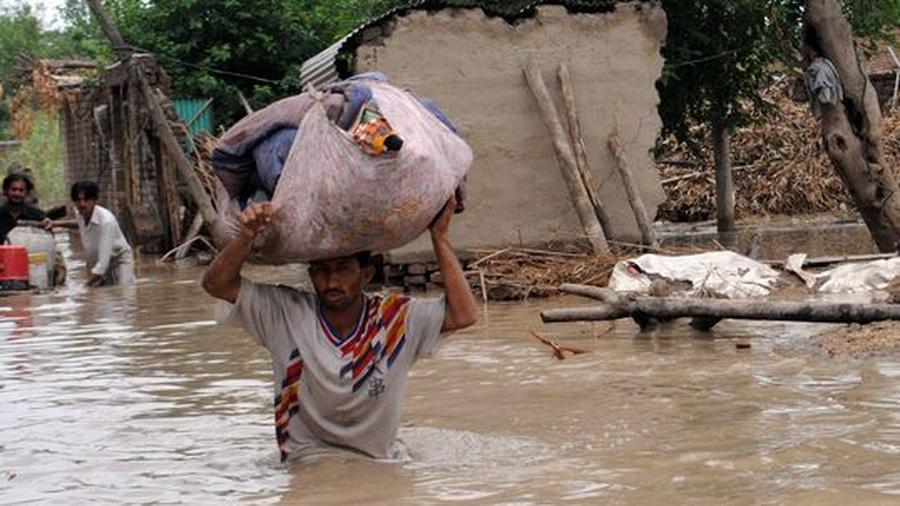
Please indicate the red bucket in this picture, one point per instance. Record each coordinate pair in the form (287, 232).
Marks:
(13, 263)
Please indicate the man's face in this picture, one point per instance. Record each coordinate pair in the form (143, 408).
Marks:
(85, 206)
(16, 192)
(339, 282)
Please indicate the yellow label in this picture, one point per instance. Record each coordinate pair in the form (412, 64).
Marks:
(37, 258)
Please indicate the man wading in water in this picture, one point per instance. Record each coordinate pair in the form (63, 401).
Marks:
(340, 355)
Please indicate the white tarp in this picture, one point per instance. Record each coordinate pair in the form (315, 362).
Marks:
(722, 272)
(859, 277)
(736, 276)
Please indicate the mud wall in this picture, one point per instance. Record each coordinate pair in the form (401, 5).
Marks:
(471, 64)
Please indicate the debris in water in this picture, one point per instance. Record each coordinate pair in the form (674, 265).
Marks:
(558, 351)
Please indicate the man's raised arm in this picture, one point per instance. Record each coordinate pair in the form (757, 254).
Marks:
(222, 279)
(462, 311)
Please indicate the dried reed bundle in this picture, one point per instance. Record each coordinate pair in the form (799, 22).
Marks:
(780, 167)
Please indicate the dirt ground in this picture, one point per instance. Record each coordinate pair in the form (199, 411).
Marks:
(875, 340)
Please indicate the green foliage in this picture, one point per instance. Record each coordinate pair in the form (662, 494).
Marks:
(20, 32)
(213, 48)
(873, 18)
(718, 54)
(42, 153)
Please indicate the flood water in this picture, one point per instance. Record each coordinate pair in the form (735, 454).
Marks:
(136, 396)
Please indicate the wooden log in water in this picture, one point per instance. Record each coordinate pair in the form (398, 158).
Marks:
(600, 293)
(667, 308)
(589, 313)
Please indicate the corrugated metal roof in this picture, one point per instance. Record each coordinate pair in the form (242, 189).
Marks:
(326, 67)
(195, 113)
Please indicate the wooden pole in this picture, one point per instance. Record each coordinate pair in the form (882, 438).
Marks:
(123, 51)
(577, 141)
(567, 164)
(666, 308)
(56, 223)
(631, 189)
(173, 147)
(244, 102)
(160, 122)
(192, 232)
(133, 137)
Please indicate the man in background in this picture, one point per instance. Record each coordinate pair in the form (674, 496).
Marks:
(17, 188)
(109, 258)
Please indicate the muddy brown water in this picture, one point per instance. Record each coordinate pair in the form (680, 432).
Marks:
(136, 396)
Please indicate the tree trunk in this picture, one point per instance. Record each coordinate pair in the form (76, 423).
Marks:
(851, 129)
(667, 308)
(724, 181)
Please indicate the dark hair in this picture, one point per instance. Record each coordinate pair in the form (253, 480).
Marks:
(87, 188)
(14, 177)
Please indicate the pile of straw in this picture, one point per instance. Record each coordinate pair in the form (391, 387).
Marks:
(780, 167)
(203, 145)
(519, 273)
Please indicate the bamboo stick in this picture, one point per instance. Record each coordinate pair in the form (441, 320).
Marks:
(577, 141)
(56, 223)
(634, 196)
(181, 251)
(567, 164)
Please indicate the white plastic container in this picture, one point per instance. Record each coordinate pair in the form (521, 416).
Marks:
(41, 246)
(38, 271)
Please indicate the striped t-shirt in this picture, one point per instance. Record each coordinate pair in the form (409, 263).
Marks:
(333, 390)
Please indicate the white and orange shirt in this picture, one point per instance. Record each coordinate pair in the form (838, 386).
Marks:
(333, 390)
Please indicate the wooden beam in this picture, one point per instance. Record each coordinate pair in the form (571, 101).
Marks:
(567, 164)
(600, 293)
(123, 51)
(173, 147)
(667, 308)
(577, 141)
(631, 190)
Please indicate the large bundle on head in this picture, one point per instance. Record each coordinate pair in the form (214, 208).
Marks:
(359, 165)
